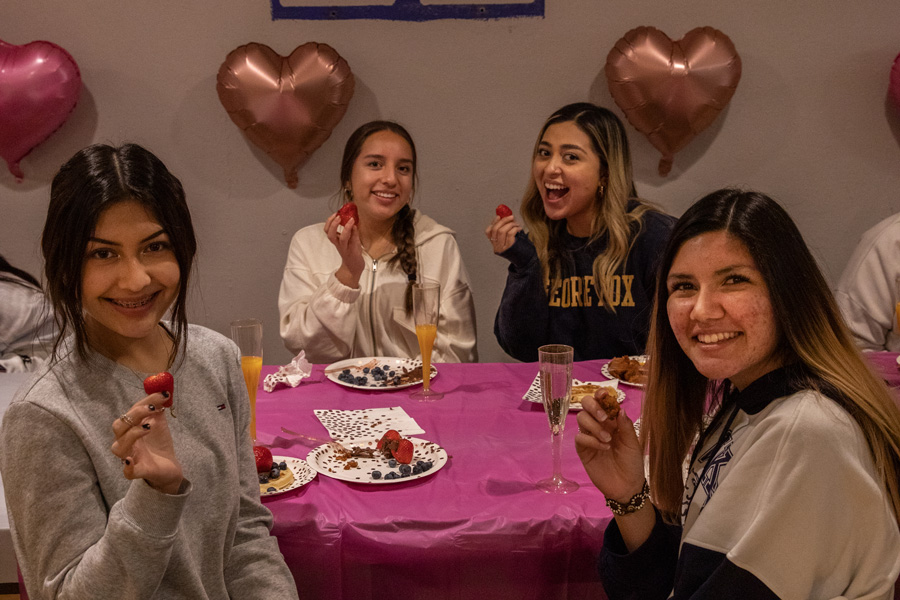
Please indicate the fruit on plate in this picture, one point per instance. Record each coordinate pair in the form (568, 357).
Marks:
(404, 452)
(503, 211)
(161, 382)
(263, 458)
(389, 435)
(347, 212)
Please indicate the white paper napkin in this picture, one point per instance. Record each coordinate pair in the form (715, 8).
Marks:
(289, 375)
(350, 425)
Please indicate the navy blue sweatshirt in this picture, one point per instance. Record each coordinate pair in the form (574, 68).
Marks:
(569, 310)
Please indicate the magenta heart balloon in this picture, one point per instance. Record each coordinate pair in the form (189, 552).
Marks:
(894, 88)
(39, 87)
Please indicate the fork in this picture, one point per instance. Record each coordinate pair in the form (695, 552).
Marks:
(336, 445)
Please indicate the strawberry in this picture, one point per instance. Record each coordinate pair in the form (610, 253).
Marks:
(263, 458)
(503, 211)
(404, 451)
(161, 382)
(390, 434)
(347, 212)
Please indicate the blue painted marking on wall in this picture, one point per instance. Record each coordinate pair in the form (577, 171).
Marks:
(409, 10)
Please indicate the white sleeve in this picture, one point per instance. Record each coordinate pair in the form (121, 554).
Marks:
(803, 510)
(317, 312)
(867, 293)
(458, 337)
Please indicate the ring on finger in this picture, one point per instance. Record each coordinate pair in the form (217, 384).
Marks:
(126, 419)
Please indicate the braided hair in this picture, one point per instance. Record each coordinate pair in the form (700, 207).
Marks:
(403, 233)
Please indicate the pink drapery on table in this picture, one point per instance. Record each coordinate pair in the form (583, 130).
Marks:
(477, 528)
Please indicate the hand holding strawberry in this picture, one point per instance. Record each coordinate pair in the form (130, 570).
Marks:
(503, 211)
(161, 382)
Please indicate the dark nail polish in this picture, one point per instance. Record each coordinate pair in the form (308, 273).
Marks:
(165, 394)
(127, 462)
(152, 407)
(146, 426)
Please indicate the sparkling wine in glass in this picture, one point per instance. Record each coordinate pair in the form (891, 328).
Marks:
(556, 392)
(247, 334)
(426, 309)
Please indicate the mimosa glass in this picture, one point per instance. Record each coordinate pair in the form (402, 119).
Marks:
(247, 334)
(426, 309)
(556, 392)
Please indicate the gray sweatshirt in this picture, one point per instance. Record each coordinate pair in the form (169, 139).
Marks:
(81, 530)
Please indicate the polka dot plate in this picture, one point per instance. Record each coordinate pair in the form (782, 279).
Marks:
(361, 367)
(324, 460)
(303, 474)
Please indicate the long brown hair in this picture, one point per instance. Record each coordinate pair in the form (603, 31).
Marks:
(403, 233)
(612, 216)
(91, 181)
(813, 336)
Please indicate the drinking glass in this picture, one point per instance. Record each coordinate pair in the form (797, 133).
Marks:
(556, 391)
(426, 307)
(247, 334)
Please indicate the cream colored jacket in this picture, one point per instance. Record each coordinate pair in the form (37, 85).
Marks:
(332, 322)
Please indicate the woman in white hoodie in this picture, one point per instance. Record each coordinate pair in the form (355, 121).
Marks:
(347, 290)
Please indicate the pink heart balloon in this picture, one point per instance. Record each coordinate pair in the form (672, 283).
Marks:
(39, 87)
(671, 91)
(287, 106)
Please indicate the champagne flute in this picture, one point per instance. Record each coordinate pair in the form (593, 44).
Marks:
(556, 391)
(426, 307)
(247, 334)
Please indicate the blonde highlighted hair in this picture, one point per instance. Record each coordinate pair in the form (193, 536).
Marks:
(813, 336)
(612, 215)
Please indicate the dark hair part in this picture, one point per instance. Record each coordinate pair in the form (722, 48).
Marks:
(94, 179)
(16, 273)
(811, 331)
(613, 215)
(403, 234)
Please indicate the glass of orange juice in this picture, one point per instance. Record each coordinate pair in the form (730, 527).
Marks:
(247, 334)
(426, 309)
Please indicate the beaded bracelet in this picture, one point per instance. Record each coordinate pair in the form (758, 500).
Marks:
(635, 504)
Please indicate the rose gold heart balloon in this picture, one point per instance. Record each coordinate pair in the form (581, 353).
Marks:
(39, 87)
(671, 91)
(285, 105)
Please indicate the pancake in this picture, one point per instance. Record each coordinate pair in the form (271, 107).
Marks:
(283, 480)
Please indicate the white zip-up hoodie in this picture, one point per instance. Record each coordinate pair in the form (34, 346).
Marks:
(331, 322)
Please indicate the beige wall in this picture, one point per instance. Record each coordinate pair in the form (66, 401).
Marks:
(809, 123)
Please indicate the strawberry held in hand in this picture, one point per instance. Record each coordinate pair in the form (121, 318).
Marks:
(161, 382)
(347, 212)
(504, 211)
(263, 458)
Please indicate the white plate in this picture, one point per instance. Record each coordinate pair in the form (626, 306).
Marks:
(534, 392)
(303, 474)
(323, 459)
(356, 366)
(642, 358)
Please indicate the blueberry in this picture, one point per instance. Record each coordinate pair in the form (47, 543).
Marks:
(386, 367)
(282, 465)
(404, 474)
(362, 380)
(345, 372)
(275, 473)
(392, 373)
(405, 469)
(271, 489)
(419, 463)
(391, 475)
(392, 463)
(417, 469)
(263, 478)
(397, 380)
(376, 474)
(365, 369)
(427, 465)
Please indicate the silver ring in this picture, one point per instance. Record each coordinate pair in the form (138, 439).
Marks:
(126, 419)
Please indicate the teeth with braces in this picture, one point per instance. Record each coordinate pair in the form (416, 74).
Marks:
(132, 304)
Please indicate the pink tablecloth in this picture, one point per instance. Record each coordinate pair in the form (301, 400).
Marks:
(477, 528)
